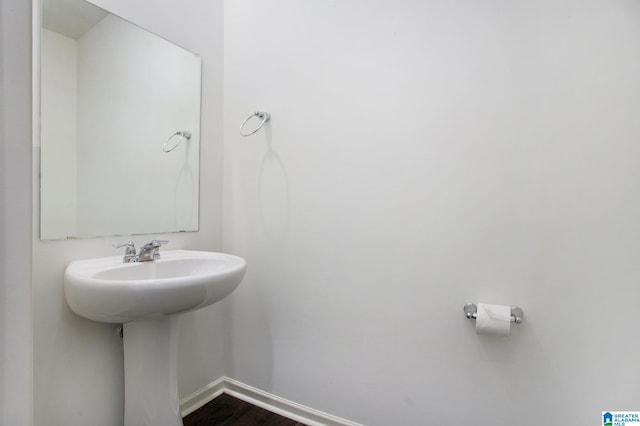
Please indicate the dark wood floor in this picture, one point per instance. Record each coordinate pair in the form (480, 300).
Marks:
(226, 410)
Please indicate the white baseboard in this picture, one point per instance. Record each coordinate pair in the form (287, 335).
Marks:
(261, 399)
(199, 398)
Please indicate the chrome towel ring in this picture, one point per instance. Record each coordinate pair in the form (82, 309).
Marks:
(185, 135)
(264, 116)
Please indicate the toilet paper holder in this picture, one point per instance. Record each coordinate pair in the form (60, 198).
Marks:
(471, 311)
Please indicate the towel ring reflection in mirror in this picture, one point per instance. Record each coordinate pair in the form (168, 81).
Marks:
(264, 116)
(184, 135)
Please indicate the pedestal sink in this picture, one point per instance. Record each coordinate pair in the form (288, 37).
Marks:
(147, 298)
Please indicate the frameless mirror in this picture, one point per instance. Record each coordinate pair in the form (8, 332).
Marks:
(120, 127)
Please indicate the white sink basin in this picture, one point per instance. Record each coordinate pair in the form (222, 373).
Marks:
(144, 297)
(108, 290)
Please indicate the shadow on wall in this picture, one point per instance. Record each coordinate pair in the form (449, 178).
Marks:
(3, 237)
(238, 346)
(3, 279)
(275, 199)
(254, 296)
(185, 194)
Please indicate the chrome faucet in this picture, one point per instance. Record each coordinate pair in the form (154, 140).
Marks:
(150, 251)
(147, 253)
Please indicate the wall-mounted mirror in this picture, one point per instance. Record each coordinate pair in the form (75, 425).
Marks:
(111, 95)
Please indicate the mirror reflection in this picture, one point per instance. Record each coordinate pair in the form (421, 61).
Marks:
(113, 98)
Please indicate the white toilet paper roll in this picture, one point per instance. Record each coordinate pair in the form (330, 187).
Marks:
(493, 319)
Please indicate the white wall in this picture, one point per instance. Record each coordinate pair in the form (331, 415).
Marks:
(422, 155)
(78, 363)
(59, 126)
(15, 208)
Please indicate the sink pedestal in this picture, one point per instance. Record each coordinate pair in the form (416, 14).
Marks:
(148, 298)
(150, 372)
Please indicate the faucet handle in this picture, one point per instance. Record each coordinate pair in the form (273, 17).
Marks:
(158, 243)
(130, 247)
